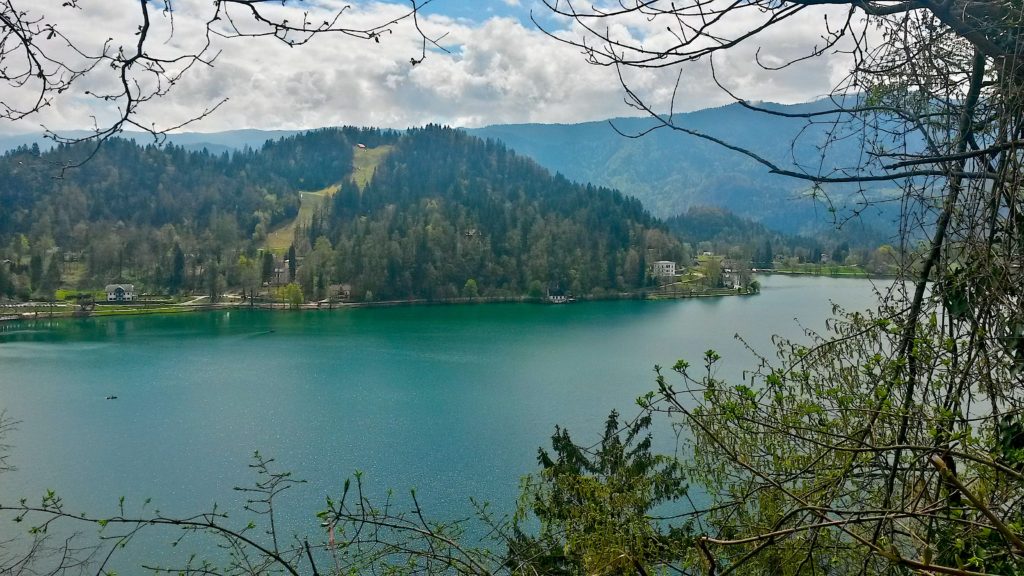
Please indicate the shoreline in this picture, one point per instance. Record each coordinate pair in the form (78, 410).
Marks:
(827, 274)
(11, 312)
(47, 311)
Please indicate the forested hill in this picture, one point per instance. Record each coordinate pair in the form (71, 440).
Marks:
(127, 186)
(446, 214)
(445, 208)
(722, 229)
(671, 171)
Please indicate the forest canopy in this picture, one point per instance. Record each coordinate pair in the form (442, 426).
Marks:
(440, 209)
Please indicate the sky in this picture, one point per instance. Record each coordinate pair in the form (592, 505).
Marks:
(495, 66)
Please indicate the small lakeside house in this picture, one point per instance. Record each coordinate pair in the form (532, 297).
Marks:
(120, 292)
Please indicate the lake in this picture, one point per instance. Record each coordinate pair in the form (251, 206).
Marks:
(451, 400)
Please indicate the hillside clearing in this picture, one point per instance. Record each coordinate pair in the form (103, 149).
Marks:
(281, 238)
(366, 161)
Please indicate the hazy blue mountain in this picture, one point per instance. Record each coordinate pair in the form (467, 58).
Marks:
(218, 141)
(671, 171)
(668, 171)
(14, 141)
(214, 142)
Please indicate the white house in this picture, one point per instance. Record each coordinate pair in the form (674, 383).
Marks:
(663, 268)
(120, 292)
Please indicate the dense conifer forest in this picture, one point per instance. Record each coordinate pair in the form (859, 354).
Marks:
(444, 215)
(446, 208)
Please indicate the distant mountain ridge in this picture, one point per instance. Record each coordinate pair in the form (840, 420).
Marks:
(213, 142)
(671, 171)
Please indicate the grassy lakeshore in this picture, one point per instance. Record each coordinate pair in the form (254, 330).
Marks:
(41, 310)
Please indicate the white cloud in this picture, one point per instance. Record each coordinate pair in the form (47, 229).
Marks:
(497, 71)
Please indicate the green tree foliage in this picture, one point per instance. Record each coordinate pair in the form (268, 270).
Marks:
(291, 294)
(595, 506)
(884, 260)
(711, 268)
(124, 211)
(840, 252)
(267, 266)
(763, 257)
(35, 271)
(6, 285)
(51, 278)
(292, 263)
(214, 281)
(443, 207)
(248, 277)
(177, 277)
(725, 232)
(796, 462)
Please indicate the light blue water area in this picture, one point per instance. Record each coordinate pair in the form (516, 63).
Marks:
(452, 400)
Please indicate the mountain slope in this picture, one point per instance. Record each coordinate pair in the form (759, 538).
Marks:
(432, 213)
(671, 171)
(444, 208)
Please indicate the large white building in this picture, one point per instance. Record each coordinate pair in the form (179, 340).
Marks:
(120, 292)
(664, 268)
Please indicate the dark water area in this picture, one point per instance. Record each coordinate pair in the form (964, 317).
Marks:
(451, 400)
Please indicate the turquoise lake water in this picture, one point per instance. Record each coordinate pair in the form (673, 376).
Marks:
(452, 400)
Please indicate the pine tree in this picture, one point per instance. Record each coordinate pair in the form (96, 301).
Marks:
(763, 256)
(291, 263)
(177, 277)
(267, 271)
(35, 267)
(51, 279)
(213, 281)
(6, 286)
